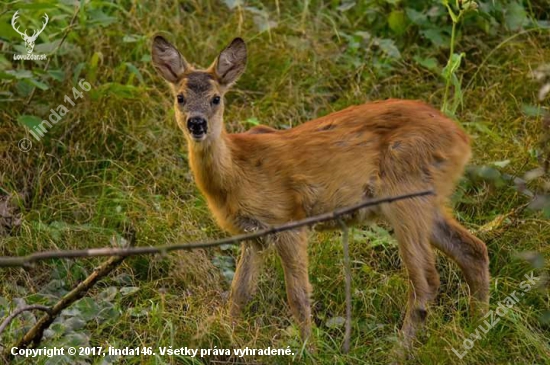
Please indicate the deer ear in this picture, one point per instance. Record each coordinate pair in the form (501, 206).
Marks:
(231, 62)
(167, 60)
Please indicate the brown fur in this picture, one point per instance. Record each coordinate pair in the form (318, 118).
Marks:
(269, 177)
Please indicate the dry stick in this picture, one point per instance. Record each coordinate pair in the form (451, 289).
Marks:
(34, 335)
(55, 50)
(347, 270)
(18, 311)
(24, 261)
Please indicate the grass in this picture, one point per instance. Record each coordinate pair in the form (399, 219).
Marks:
(118, 159)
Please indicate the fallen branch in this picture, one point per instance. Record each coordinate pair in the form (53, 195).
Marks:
(34, 335)
(23, 261)
(18, 311)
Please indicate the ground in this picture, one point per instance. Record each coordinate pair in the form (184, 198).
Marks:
(118, 160)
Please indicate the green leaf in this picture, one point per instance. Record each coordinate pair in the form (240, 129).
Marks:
(108, 294)
(137, 312)
(98, 17)
(516, 16)
(232, 4)
(128, 290)
(75, 339)
(92, 68)
(346, 5)
(417, 17)
(488, 173)
(77, 71)
(534, 174)
(134, 70)
(484, 129)
(47, 47)
(454, 17)
(39, 84)
(37, 5)
(4, 63)
(261, 19)
(88, 308)
(452, 65)
(58, 75)
(388, 47)
(336, 322)
(29, 121)
(375, 235)
(115, 89)
(73, 324)
(436, 36)
(20, 74)
(532, 110)
(23, 88)
(253, 121)
(502, 163)
(429, 62)
(129, 38)
(398, 22)
(457, 97)
(108, 312)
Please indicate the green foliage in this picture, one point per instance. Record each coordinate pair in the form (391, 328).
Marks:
(118, 159)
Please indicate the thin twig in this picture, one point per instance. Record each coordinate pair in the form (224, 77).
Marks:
(347, 271)
(18, 311)
(24, 261)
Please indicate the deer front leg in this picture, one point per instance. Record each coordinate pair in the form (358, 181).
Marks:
(245, 280)
(292, 249)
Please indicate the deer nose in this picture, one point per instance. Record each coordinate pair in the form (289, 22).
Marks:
(197, 126)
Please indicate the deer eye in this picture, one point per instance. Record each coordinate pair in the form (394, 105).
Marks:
(216, 100)
(181, 99)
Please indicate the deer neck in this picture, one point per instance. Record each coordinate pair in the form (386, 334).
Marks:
(213, 167)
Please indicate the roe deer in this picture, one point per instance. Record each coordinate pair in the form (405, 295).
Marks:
(269, 177)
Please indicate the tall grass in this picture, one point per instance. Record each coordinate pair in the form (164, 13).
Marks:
(117, 159)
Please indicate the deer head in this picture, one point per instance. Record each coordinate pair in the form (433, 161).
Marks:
(29, 40)
(198, 93)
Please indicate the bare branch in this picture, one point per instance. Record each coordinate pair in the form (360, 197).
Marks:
(18, 311)
(23, 261)
(34, 335)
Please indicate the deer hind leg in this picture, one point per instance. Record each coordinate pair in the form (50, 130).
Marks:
(292, 249)
(469, 252)
(412, 221)
(245, 280)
